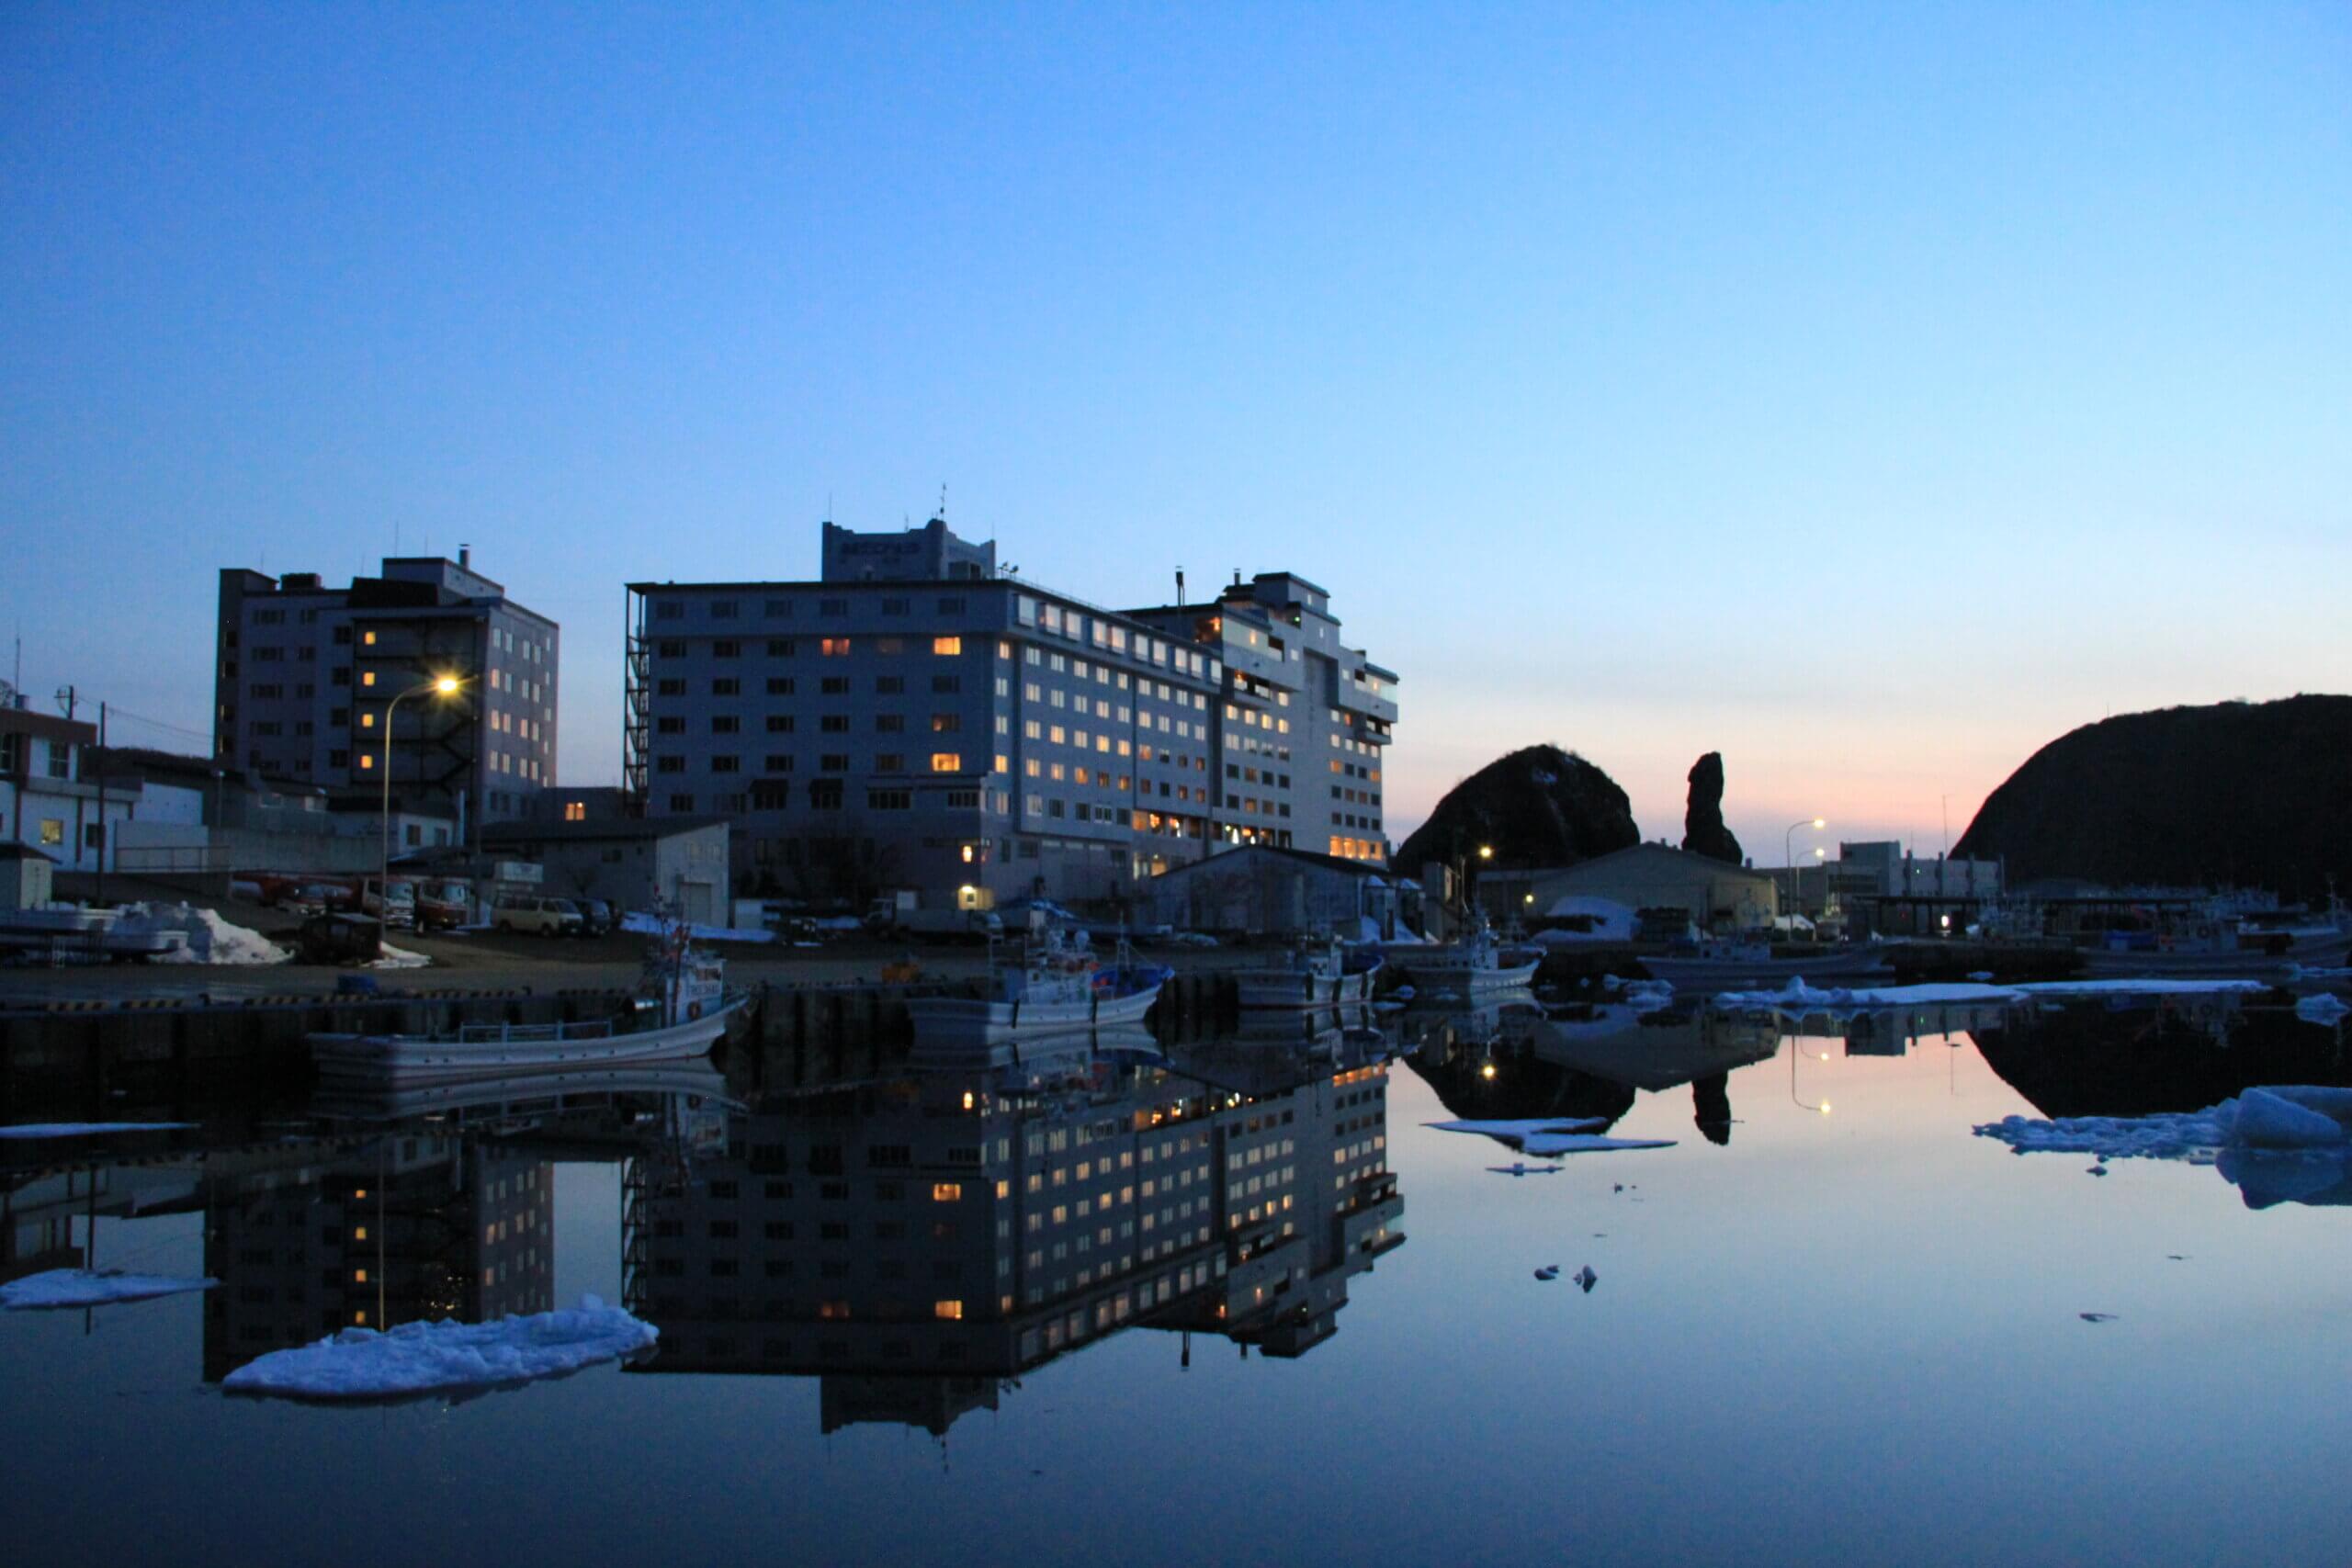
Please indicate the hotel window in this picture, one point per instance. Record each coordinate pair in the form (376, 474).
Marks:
(366, 677)
(367, 721)
(368, 638)
(951, 1311)
(946, 762)
(367, 762)
(947, 1193)
(889, 762)
(575, 811)
(945, 723)
(726, 686)
(889, 645)
(833, 647)
(946, 645)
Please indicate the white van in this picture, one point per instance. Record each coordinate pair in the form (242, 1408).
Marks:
(548, 917)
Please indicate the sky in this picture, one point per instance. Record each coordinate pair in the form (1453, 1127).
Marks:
(1869, 393)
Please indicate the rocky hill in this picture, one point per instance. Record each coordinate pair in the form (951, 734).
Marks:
(1538, 807)
(2253, 795)
(1703, 832)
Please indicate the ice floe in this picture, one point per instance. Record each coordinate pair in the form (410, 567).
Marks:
(640, 924)
(1799, 997)
(1554, 1137)
(86, 1129)
(397, 958)
(84, 1287)
(2324, 1007)
(419, 1358)
(2283, 1117)
(1520, 1167)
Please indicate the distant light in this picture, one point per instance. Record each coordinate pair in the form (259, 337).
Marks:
(1485, 852)
(1819, 823)
(446, 685)
(1824, 1108)
(1487, 1071)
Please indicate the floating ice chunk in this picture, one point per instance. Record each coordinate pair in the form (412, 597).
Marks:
(1798, 996)
(1549, 1272)
(86, 1129)
(2268, 1120)
(1403, 993)
(1586, 1278)
(1982, 976)
(1522, 1169)
(81, 1287)
(2096, 1316)
(640, 924)
(418, 1358)
(2324, 1006)
(1553, 1137)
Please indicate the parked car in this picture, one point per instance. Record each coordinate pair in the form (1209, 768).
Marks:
(544, 916)
(596, 916)
(400, 910)
(320, 898)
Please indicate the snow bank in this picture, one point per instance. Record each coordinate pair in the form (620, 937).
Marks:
(652, 925)
(2147, 987)
(86, 1129)
(210, 939)
(418, 1358)
(81, 1287)
(1605, 919)
(400, 958)
(2281, 1118)
(1552, 1138)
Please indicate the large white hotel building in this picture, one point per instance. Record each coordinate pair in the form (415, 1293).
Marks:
(975, 736)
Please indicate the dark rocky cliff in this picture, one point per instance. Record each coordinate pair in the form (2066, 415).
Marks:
(2252, 794)
(1538, 807)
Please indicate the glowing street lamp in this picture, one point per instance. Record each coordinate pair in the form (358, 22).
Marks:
(1789, 855)
(442, 687)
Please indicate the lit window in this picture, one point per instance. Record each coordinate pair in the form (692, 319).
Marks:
(575, 811)
(946, 645)
(946, 762)
(366, 677)
(367, 721)
(951, 1311)
(833, 647)
(947, 1193)
(359, 1276)
(367, 762)
(359, 1233)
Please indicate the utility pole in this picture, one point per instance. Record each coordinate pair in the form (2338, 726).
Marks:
(102, 802)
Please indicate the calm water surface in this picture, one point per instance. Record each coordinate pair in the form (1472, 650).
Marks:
(1853, 1333)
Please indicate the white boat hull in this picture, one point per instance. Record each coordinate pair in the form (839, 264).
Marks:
(961, 1022)
(2219, 964)
(1298, 989)
(1431, 979)
(410, 1059)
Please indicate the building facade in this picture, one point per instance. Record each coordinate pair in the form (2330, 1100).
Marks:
(305, 675)
(914, 719)
(55, 794)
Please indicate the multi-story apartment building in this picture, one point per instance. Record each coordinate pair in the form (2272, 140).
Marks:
(914, 718)
(914, 1249)
(305, 674)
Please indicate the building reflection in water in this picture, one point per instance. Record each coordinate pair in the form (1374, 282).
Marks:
(916, 1245)
(403, 1229)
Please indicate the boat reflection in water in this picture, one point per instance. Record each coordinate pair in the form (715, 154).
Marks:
(918, 1242)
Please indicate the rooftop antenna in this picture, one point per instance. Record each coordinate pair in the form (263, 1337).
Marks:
(1179, 587)
(942, 500)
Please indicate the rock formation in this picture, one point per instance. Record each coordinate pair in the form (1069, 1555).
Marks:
(1538, 807)
(1703, 832)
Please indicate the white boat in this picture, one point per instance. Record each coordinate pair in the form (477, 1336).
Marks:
(680, 1013)
(1733, 964)
(1318, 974)
(2222, 951)
(1478, 965)
(1056, 988)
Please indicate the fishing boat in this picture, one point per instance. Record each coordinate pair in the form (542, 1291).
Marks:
(1473, 967)
(1318, 972)
(2216, 949)
(1754, 964)
(1055, 986)
(680, 1010)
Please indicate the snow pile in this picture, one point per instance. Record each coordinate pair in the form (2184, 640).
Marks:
(1552, 1138)
(86, 1129)
(1593, 919)
(2283, 1118)
(82, 1288)
(210, 939)
(418, 1358)
(399, 958)
(654, 925)
(2322, 1008)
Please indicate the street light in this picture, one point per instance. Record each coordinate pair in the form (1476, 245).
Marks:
(444, 686)
(1789, 858)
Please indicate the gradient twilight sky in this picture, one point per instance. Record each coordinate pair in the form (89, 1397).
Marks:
(1870, 393)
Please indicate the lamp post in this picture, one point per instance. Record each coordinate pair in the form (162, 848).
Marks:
(1789, 859)
(439, 686)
